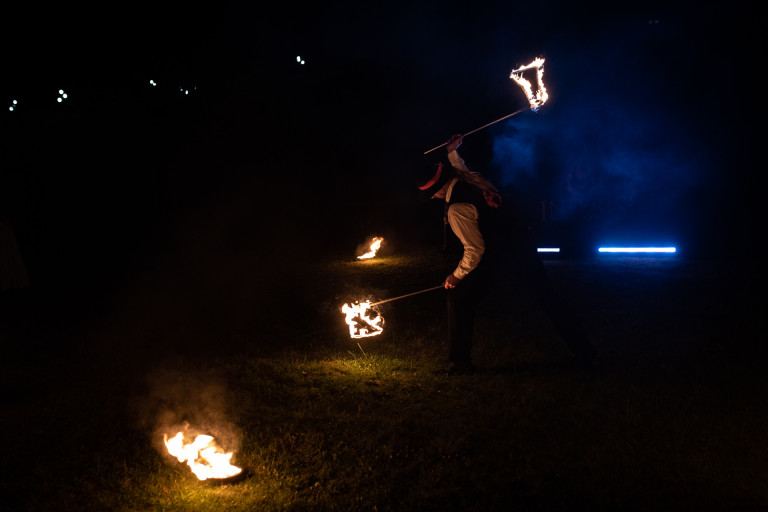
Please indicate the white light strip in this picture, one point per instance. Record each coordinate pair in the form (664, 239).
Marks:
(637, 249)
(548, 249)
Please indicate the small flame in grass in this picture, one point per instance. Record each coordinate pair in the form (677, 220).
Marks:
(540, 97)
(361, 325)
(202, 456)
(375, 246)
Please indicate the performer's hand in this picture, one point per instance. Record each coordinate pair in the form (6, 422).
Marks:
(451, 281)
(454, 142)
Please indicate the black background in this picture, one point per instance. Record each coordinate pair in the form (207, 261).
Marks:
(99, 183)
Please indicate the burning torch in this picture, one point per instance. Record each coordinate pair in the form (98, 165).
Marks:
(535, 99)
(362, 324)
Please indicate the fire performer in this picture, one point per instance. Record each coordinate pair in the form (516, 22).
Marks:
(471, 203)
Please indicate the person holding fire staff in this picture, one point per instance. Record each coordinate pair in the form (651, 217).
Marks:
(471, 203)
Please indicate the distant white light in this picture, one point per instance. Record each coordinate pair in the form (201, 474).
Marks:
(299, 60)
(13, 105)
(153, 83)
(638, 249)
(15, 102)
(548, 249)
(61, 91)
(59, 99)
(62, 96)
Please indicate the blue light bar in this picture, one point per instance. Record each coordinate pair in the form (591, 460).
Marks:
(638, 249)
(548, 249)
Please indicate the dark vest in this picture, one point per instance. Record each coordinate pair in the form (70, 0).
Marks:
(463, 192)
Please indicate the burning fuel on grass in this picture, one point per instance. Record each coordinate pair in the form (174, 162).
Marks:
(202, 455)
(373, 249)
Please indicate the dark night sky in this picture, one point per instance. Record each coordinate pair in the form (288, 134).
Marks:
(646, 113)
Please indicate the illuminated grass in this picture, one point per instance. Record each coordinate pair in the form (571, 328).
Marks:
(325, 422)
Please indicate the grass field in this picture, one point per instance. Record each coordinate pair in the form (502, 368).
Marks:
(261, 359)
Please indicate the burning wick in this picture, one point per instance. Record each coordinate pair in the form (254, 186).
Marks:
(375, 246)
(541, 96)
(202, 456)
(360, 324)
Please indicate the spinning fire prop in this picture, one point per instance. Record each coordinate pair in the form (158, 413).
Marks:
(361, 325)
(535, 99)
(375, 246)
(202, 456)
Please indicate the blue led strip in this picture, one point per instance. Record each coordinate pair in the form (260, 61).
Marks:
(638, 249)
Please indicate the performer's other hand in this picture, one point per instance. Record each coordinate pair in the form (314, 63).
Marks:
(451, 281)
(454, 142)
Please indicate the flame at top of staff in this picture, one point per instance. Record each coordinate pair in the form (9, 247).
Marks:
(202, 456)
(540, 97)
(374, 247)
(361, 324)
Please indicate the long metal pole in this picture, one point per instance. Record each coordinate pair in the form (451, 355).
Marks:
(406, 295)
(484, 126)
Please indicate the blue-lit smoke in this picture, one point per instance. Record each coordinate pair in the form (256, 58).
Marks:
(598, 158)
(610, 147)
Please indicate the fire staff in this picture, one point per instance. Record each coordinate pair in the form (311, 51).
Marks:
(471, 204)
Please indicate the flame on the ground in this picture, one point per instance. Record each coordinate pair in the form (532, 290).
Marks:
(375, 246)
(540, 97)
(361, 325)
(202, 456)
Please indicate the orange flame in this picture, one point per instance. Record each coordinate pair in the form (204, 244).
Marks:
(202, 456)
(375, 245)
(361, 325)
(540, 97)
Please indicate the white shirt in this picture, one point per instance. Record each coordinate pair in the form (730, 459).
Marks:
(463, 219)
